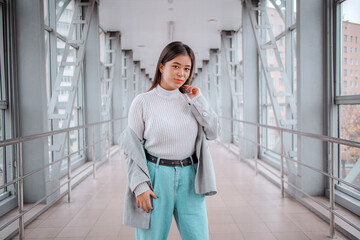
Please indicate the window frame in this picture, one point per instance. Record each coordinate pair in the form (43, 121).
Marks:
(78, 159)
(345, 197)
(8, 199)
(287, 36)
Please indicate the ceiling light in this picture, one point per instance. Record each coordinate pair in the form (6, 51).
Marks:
(171, 30)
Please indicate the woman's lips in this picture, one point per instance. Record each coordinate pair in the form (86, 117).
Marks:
(179, 80)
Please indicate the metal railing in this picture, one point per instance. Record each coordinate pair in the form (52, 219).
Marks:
(19, 180)
(330, 174)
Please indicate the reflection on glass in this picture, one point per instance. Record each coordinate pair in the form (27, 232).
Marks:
(102, 46)
(46, 12)
(350, 42)
(47, 65)
(64, 14)
(2, 156)
(350, 156)
(74, 135)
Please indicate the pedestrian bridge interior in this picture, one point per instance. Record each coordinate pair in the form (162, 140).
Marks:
(282, 76)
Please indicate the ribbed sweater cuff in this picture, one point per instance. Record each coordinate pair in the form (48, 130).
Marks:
(141, 188)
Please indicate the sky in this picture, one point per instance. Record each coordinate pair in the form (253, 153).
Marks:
(351, 10)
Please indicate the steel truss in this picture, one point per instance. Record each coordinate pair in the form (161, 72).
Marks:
(60, 108)
(112, 43)
(230, 50)
(263, 29)
(282, 120)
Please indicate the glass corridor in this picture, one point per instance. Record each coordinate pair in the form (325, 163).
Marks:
(282, 75)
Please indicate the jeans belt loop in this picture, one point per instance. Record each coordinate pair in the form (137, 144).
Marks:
(182, 164)
(192, 161)
(157, 162)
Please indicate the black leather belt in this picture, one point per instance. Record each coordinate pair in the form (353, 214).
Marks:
(172, 163)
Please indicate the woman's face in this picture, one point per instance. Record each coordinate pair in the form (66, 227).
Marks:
(175, 72)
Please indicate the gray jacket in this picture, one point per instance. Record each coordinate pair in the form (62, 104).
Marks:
(137, 171)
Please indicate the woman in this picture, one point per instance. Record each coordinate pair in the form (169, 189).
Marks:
(169, 165)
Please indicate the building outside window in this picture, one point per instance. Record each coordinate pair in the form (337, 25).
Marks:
(284, 19)
(61, 14)
(348, 123)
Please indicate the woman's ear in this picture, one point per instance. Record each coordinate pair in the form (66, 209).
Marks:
(161, 67)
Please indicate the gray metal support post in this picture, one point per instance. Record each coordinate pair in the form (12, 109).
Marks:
(31, 93)
(251, 96)
(282, 163)
(20, 189)
(130, 91)
(109, 140)
(68, 166)
(256, 151)
(226, 101)
(92, 94)
(93, 150)
(118, 91)
(332, 192)
(214, 97)
(311, 87)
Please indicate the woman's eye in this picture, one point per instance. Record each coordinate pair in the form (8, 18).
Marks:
(176, 66)
(187, 69)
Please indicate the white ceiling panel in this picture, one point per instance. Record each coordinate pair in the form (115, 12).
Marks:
(145, 28)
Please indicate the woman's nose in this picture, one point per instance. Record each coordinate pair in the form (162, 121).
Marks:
(181, 72)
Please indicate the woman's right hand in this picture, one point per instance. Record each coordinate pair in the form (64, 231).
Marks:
(144, 200)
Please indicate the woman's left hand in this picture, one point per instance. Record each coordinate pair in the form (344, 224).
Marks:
(192, 91)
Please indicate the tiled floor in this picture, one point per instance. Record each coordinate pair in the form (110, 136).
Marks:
(246, 207)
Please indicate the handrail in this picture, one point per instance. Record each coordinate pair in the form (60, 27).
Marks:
(18, 143)
(51, 133)
(305, 134)
(331, 140)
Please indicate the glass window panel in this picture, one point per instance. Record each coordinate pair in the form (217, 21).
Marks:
(350, 30)
(46, 12)
(294, 63)
(349, 156)
(64, 13)
(47, 65)
(74, 135)
(285, 56)
(102, 46)
(275, 19)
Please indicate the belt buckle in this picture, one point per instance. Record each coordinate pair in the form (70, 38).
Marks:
(182, 165)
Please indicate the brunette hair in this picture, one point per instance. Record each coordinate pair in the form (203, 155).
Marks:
(171, 51)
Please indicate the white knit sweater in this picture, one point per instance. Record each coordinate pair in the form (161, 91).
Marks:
(163, 118)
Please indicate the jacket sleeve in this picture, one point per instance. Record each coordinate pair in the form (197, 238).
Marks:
(205, 116)
(135, 175)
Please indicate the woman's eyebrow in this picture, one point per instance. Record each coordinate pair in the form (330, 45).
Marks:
(180, 64)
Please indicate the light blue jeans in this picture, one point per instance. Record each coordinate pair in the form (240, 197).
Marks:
(175, 189)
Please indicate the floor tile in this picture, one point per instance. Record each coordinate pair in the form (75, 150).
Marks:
(247, 207)
(226, 236)
(258, 236)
